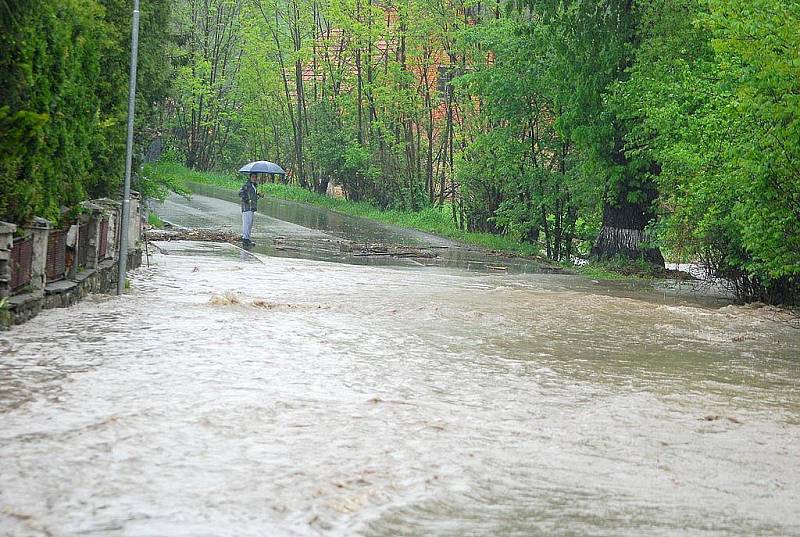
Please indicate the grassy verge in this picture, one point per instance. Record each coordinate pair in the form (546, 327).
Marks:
(431, 220)
(622, 268)
(600, 271)
(154, 220)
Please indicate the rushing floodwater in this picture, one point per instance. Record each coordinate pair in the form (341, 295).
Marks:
(232, 394)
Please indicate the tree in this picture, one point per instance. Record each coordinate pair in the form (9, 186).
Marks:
(521, 173)
(716, 111)
(208, 62)
(63, 81)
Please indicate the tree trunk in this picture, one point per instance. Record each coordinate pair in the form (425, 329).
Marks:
(624, 221)
(623, 234)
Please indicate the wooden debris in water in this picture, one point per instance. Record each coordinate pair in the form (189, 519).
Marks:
(740, 338)
(382, 250)
(260, 303)
(206, 235)
(717, 418)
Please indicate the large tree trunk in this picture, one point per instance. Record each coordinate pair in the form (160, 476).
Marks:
(624, 221)
(623, 233)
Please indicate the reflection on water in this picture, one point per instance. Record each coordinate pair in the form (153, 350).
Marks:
(300, 217)
(238, 394)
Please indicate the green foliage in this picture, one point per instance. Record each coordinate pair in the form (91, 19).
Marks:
(757, 47)
(328, 141)
(63, 88)
(521, 174)
(54, 54)
(20, 134)
(154, 220)
(713, 95)
(339, 156)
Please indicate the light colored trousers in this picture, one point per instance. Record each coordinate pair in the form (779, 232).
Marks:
(247, 224)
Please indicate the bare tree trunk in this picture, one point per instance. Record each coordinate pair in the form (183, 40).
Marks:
(360, 83)
(448, 143)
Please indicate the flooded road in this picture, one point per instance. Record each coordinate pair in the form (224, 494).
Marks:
(238, 394)
(290, 229)
(296, 230)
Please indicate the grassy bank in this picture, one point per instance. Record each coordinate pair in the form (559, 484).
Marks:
(618, 269)
(432, 220)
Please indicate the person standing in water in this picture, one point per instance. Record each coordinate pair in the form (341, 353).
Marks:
(249, 196)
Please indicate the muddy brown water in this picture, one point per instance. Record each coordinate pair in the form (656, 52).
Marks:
(235, 393)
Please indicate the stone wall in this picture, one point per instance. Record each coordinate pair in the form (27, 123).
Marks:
(97, 276)
(6, 242)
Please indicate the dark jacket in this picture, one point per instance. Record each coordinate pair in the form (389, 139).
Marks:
(249, 196)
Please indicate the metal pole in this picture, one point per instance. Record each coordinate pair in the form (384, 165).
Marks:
(126, 191)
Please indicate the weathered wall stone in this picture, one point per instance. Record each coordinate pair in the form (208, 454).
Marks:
(65, 293)
(6, 244)
(39, 230)
(98, 276)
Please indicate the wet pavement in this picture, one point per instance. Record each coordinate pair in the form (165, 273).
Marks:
(236, 393)
(290, 229)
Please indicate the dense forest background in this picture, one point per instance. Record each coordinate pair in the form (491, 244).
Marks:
(600, 128)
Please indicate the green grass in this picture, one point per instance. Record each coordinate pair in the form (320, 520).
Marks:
(436, 220)
(182, 175)
(154, 220)
(620, 268)
(599, 271)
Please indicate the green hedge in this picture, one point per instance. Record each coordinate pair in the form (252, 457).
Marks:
(63, 100)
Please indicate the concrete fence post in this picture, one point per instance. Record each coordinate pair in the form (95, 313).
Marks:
(72, 251)
(95, 217)
(135, 229)
(40, 231)
(113, 209)
(6, 244)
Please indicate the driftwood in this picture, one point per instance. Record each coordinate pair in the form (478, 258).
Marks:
(183, 234)
(404, 253)
(355, 249)
(382, 250)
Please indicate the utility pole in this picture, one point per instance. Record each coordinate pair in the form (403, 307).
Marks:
(126, 191)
